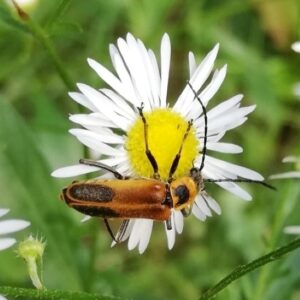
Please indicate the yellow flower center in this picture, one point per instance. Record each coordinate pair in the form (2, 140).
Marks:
(166, 130)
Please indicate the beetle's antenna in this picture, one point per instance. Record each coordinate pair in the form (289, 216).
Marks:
(94, 163)
(205, 126)
(241, 180)
(148, 152)
(178, 155)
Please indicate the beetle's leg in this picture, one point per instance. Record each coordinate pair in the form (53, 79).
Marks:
(148, 152)
(177, 157)
(94, 163)
(122, 230)
(169, 224)
(109, 230)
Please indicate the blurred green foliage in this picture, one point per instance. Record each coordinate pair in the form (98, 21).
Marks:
(255, 39)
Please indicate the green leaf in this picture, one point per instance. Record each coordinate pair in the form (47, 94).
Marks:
(27, 185)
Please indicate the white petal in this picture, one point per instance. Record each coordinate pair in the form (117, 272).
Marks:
(98, 146)
(125, 79)
(104, 105)
(2, 298)
(192, 63)
(214, 85)
(110, 137)
(151, 74)
(74, 170)
(165, 54)
(200, 75)
(200, 201)
(211, 171)
(124, 108)
(292, 174)
(224, 147)
(225, 119)
(156, 73)
(91, 121)
(198, 213)
(145, 238)
(6, 243)
(294, 159)
(225, 106)
(236, 190)
(134, 63)
(109, 78)
(292, 230)
(135, 234)
(234, 169)
(125, 234)
(213, 204)
(210, 90)
(82, 100)
(3, 211)
(114, 161)
(178, 220)
(9, 226)
(171, 234)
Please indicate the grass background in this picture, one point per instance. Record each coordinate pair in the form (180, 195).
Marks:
(255, 39)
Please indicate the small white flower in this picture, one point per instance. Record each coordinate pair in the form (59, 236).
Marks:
(292, 230)
(7, 227)
(296, 46)
(141, 78)
(296, 89)
(291, 174)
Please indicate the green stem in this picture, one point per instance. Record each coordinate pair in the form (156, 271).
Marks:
(244, 269)
(16, 292)
(45, 40)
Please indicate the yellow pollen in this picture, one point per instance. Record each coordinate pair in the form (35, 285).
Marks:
(166, 130)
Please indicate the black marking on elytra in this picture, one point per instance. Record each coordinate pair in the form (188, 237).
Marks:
(94, 211)
(92, 192)
(182, 193)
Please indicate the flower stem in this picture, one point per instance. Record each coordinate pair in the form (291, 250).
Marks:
(44, 39)
(33, 273)
(23, 293)
(244, 269)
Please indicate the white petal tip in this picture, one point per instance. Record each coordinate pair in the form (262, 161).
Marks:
(216, 48)
(90, 61)
(85, 218)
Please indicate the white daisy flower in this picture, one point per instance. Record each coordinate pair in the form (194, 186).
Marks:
(9, 226)
(115, 129)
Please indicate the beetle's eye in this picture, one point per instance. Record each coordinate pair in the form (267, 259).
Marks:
(182, 193)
